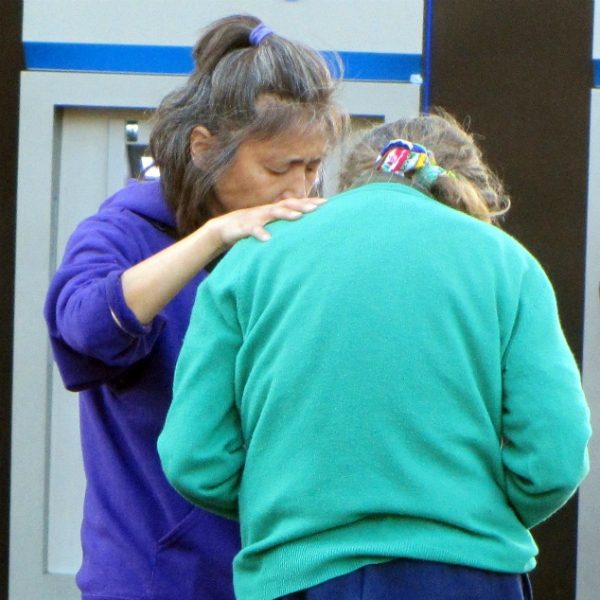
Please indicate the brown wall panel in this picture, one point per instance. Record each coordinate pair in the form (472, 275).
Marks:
(520, 73)
(11, 62)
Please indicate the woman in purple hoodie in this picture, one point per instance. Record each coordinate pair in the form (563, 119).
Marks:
(238, 146)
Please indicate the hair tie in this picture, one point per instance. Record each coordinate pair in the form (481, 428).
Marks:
(410, 160)
(259, 33)
(428, 175)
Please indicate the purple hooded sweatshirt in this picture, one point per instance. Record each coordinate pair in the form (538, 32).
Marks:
(140, 539)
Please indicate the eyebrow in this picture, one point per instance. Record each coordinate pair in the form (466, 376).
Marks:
(300, 161)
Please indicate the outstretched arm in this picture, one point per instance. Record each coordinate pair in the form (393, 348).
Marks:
(153, 283)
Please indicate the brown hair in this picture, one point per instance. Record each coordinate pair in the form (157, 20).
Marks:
(474, 189)
(238, 92)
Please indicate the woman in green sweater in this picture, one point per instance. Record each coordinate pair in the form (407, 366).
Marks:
(382, 394)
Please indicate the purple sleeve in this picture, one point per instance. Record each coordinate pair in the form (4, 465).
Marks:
(89, 344)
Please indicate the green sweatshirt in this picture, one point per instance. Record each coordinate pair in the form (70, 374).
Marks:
(386, 377)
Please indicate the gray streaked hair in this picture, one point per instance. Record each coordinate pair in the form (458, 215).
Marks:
(473, 189)
(238, 92)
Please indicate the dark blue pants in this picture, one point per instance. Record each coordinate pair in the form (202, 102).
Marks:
(405, 579)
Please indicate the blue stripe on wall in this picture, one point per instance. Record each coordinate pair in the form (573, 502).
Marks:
(377, 66)
(597, 72)
(177, 60)
(112, 58)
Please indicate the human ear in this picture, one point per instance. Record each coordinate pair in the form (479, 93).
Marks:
(201, 139)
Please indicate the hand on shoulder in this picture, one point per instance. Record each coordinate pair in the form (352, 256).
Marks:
(240, 224)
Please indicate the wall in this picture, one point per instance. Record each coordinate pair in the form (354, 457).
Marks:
(127, 66)
(588, 574)
(335, 24)
(520, 72)
(151, 40)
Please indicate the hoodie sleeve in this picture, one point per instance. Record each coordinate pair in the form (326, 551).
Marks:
(546, 424)
(202, 446)
(93, 333)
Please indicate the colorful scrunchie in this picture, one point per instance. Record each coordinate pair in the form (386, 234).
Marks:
(410, 160)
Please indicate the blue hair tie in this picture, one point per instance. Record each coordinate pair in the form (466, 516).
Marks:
(259, 33)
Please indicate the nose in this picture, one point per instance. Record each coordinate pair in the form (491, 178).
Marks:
(296, 184)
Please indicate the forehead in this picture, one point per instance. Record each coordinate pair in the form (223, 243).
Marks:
(306, 144)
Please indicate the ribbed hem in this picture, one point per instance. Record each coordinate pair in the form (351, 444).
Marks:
(309, 561)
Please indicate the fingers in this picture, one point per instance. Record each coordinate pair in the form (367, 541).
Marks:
(291, 209)
(248, 222)
(260, 233)
(277, 211)
(303, 205)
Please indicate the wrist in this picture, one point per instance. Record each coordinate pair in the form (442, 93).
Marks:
(213, 236)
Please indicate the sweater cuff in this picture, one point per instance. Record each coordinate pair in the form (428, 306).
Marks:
(122, 314)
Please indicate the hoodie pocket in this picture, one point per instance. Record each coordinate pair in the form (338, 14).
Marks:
(194, 560)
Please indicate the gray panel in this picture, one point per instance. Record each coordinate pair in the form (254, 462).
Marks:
(42, 97)
(588, 547)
